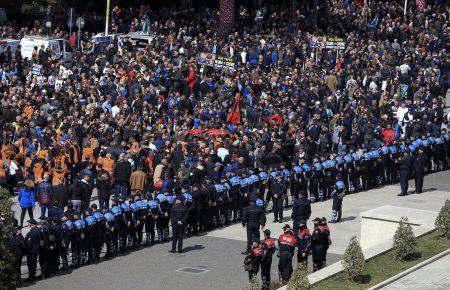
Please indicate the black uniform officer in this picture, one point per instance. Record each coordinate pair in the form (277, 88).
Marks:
(405, 166)
(317, 245)
(419, 165)
(253, 218)
(286, 243)
(54, 246)
(268, 247)
(32, 243)
(278, 189)
(303, 244)
(301, 210)
(179, 215)
(45, 247)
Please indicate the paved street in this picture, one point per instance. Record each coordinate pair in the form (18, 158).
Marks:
(434, 276)
(216, 259)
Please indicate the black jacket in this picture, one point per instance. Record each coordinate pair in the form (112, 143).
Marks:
(405, 165)
(179, 212)
(122, 172)
(104, 185)
(61, 195)
(301, 209)
(79, 191)
(32, 241)
(420, 162)
(254, 215)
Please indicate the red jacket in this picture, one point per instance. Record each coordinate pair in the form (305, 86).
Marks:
(191, 78)
(388, 135)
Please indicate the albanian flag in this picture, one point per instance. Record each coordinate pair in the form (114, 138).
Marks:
(234, 117)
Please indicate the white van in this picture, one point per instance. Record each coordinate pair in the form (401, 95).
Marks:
(12, 43)
(60, 47)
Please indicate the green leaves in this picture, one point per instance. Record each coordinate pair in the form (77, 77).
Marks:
(404, 240)
(299, 279)
(442, 222)
(353, 260)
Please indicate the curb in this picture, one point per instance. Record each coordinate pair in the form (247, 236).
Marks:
(410, 270)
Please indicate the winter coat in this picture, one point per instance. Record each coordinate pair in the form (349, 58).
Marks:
(26, 198)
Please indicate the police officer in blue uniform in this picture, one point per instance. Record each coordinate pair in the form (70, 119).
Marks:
(99, 232)
(405, 166)
(338, 195)
(67, 228)
(278, 190)
(111, 236)
(153, 214)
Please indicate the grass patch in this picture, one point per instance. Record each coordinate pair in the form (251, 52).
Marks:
(385, 266)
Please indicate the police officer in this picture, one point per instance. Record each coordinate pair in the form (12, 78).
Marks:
(254, 217)
(99, 234)
(253, 260)
(286, 244)
(268, 247)
(153, 213)
(317, 245)
(90, 236)
(164, 215)
(278, 189)
(179, 215)
(405, 166)
(45, 247)
(303, 244)
(338, 195)
(32, 243)
(301, 210)
(117, 231)
(110, 237)
(78, 237)
(67, 228)
(419, 165)
(54, 245)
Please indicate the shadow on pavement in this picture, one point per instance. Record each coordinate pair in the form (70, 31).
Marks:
(193, 248)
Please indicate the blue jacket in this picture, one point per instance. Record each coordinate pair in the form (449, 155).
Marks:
(26, 198)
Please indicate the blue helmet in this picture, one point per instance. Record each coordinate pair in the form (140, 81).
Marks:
(375, 153)
(393, 149)
(438, 140)
(187, 197)
(385, 149)
(447, 136)
(161, 197)
(90, 220)
(425, 143)
(80, 224)
(125, 207)
(68, 225)
(152, 204)
(325, 164)
(366, 156)
(297, 169)
(227, 186)
(115, 210)
(134, 207)
(340, 184)
(98, 216)
(415, 143)
(355, 156)
(348, 159)
(242, 182)
(254, 178)
(141, 204)
(431, 139)
(262, 176)
(170, 199)
(402, 148)
(339, 160)
(286, 173)
(259, 202)
(306, 167)
(274, 174)
(412, 148)
(419, 142)
(331, 163)
(318, 166)
(109, 217)
(235, 180)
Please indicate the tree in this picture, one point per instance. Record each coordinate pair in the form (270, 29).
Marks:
(299, 279)
(8, 275)
(442, 222)
(35, 7)
(404, 240)
(353, 261)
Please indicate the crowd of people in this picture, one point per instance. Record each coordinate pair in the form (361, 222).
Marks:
(163, 125)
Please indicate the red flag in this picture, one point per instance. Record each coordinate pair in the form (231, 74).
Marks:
(235, 115)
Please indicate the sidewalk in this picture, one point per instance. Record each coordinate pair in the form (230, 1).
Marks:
(433, 276)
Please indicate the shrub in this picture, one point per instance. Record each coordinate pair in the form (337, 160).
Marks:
(404, 240)
(299, 279)
(442, 222)
(353, 260)
(8, 274)
(254, 284)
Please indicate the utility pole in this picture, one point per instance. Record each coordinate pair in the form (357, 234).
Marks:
(107, 17)
(406, 7)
